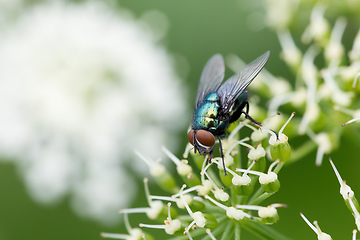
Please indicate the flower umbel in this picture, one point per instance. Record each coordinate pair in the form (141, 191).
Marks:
(212, 204)
(323, 84)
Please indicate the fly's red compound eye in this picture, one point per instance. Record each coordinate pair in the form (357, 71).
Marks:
(191, 137)
(205, 138)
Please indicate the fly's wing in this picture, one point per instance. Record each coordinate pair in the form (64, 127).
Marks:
(211, 77)
(234, 86)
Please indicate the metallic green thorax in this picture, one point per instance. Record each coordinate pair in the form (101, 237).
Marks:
(206, 116)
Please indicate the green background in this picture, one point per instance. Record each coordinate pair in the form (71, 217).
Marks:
(198, 29)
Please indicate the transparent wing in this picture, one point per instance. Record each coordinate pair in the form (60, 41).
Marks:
(234, 86)
(211, 78)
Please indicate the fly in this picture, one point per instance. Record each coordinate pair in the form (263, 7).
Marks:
(217, 105)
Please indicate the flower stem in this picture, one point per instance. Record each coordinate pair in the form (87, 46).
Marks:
(261, 198)
(264, 232)
(237, 231)
(228, 233)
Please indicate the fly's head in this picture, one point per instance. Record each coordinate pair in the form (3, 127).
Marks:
(202, 140)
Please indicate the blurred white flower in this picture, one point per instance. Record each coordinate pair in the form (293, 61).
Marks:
(82, 86)
(279, 13)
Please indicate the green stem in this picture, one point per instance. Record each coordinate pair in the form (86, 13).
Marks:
(261, 198)
(265, 232)
(228, 233)
(244, 200)
(278, 167)
(214, 177)
(237, 231)
(233, 196)
(257, 194)
(213, 209)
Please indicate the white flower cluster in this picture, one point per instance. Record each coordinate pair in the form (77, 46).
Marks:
(211, 202)
(323, 87)
(326, 77)
(82, 86)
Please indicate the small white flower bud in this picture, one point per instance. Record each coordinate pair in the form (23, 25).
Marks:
(241, 180)
(267, 178)
(183, 168)
(172, 226)
(258, 135)
(346, 191)
(234, 213)
(135, 233)
(228, 160)
(180, 203)
(155, 209)
(156, 169)
(282, 138)
(324, 236)
(204, 188)
(221, 195)
(199, 219)
(267, 212)
(256, 153)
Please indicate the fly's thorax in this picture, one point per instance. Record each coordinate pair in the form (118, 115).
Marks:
(212, 97)
(208, 109)
(207, 116)
(213, 125)
(205, 123)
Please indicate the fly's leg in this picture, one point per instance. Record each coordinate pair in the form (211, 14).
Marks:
(253, 120)
(247, 107)
(246, 113)
(209, 157)
(222, 155)
(194, 141)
